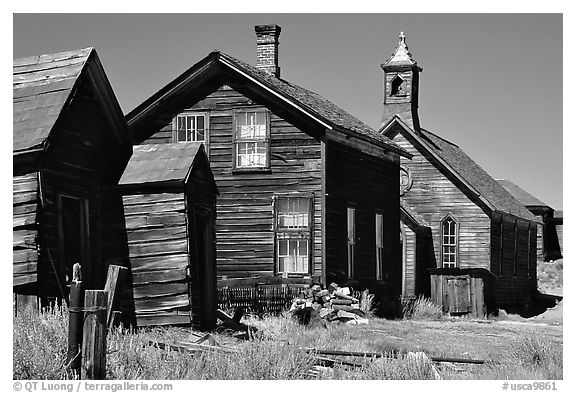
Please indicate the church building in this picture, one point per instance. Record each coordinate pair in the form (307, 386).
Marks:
(457, 222)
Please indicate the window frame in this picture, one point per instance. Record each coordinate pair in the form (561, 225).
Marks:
(236, 140)
(206, 116)
(351, 241)
(456, 262)
(281, 233)
(379, 257)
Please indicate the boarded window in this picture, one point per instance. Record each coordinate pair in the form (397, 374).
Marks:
(379, 230)
(351, 228)
(293, 234)
(191, 127)
(252, 142)
(449, 242)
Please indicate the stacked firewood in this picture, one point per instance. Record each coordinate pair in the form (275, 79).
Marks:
(332, 304)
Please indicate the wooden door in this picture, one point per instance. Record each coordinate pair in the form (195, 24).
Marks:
(458, 295)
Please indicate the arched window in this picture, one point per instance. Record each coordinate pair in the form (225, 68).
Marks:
(449, 242)
(398, 87)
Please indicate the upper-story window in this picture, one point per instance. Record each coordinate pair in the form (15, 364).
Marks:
(251, 140)
(191, 127)
(449, 242)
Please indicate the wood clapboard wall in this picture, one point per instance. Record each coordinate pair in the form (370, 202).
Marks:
(435, 196)
(409, 262)
(244, 221)
(513, 258)
(78, 163)
(370, 185)
(158, 244)
(25, 228)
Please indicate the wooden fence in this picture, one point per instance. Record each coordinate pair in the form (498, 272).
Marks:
(260, 295)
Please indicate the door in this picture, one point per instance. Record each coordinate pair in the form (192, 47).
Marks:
(458, 293)
(203, 264)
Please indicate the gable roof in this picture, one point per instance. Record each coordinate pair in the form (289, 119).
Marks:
(316, 107)
(43, 86)
(523, 196)
(453, 160)
(161, 163)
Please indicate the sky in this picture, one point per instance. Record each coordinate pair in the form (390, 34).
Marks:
(491, 83)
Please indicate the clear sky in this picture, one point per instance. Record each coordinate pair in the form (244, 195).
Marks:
(492, 83)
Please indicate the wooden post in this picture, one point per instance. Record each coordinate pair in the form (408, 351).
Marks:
(113, 283)
(95, 329)
(75, 320)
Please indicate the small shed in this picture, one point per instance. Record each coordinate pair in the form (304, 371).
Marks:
(463, 291)
(169, 198)
(70, 142)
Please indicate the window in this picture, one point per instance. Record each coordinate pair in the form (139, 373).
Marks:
(379, 246)
(449, 242)
(190, 127)
(398, 86)
(351, 226)
(405, 180)
(251, 140)
(293, 230)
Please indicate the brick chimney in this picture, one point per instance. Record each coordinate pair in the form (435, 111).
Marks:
(267, 48)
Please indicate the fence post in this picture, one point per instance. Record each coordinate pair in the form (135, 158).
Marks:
(95, 329)
(114, 280)
(75, 320)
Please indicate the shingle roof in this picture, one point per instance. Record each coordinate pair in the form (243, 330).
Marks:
(41, 87)
(160, 163)
(312, 101)
(482, 182)
(523, 196)
(304, 99)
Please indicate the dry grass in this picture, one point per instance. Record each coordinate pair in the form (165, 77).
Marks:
(422, 309)
(550, 274)
(277, 350)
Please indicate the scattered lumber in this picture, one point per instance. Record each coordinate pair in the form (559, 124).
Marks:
(241, 330)
(332, 304)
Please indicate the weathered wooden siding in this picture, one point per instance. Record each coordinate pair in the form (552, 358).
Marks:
(244, 223)
(158, 247)
(370, 185)
(409, 262)
(25, 229)
(80, 160)
(436, 196)
(513, 259)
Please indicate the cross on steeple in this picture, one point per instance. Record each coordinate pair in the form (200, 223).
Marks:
(402, 38)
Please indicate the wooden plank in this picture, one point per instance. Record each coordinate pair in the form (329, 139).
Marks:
(156, 263)
(154, 290)
(94, 335)
(148, 305)
(159, 276)
(114, 281)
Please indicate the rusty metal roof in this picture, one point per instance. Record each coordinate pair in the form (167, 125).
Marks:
(160, 163)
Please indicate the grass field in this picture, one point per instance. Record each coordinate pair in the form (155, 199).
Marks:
(512, 347)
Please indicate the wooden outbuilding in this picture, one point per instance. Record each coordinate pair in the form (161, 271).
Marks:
(306, 189)
(169, 198)
(473, 221)
(70, 141)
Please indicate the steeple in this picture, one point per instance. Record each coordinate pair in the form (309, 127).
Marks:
(401, 77)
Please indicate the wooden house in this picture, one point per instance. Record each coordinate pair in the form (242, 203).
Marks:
(169, 198)
(548, 245)
(306, 189)
(471, 221)
(70, 141)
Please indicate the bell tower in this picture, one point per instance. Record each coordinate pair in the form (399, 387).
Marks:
(401, 76)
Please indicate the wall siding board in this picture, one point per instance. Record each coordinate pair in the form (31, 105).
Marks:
(244, 221)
